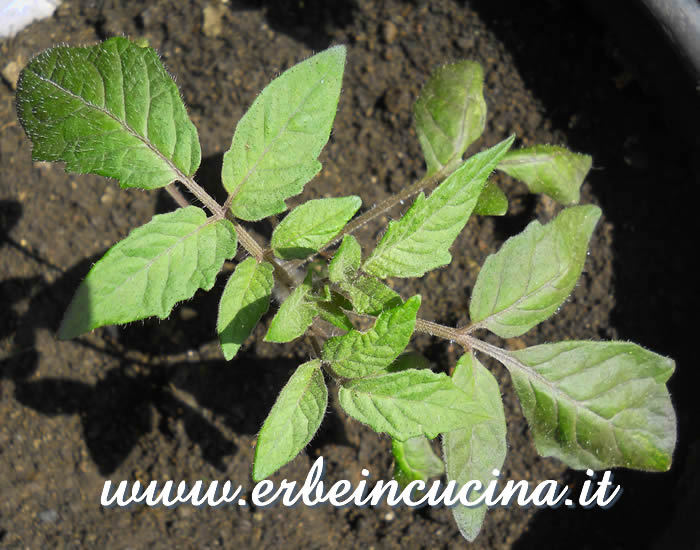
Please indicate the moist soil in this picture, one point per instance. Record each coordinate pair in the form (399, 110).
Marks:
(156, 401)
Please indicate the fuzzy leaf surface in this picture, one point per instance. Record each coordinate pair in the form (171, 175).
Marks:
(549, 169)
(409, 403)
(293, 420)
(367, 294)
(473, 452)
(414, 459)
(277, 142)
(154, 267)
(359, 354)
(244, 301)
(295, 314)
(597, 404)
(421, 239)
(450, 113)
(110, 109)
(332, 312)
(346, 261)
(311, 225)
(492, 201)
(533, 273)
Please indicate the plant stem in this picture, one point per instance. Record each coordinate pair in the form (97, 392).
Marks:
(435, 329)
(388, 204)
(205, 198)
(258, 252)
(177, 195)
(497, 353)
(510, 362)
(249, 243)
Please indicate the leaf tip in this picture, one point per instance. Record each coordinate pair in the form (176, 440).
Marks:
(339, 51)
(229, 353)
(67, 331)
(76, 320)
(414, 301)
(257, 475)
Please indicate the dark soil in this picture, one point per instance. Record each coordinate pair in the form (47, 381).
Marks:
(156, 400)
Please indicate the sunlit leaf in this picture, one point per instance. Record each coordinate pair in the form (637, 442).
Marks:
(533, 273)
(147, 273)
(311, 225)
(357, 354)
(244, 301)
(421, 239)
(548, 169)
(409, 403)
(277, 142)
(450, 113)
(472, 453)
(293, 420)
(110, 109)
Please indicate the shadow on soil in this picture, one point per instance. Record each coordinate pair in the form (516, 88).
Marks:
(119, 409)
(311, 21)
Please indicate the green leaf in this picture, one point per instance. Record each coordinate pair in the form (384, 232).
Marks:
(295, 314)
(359, 354)
(367, 294)
(532, 274)
(450, 113)
(244, 301)
(473, 452)
(421, 239)
(409, 360)
(597, 404)
(409, 403)
(346, 260)
(332, 312)
(309, 226)
(293, 420)
(548, 169)
(414, 459)
(492, 201)
(277, 142)
(147, 273)
(110, 109)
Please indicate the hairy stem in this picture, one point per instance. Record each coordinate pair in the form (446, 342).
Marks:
(501, 355)
(388, 204)
(510, 362)
(177, 195)
(205, 198)
(435, 329)
(249, 243)
(261, 255)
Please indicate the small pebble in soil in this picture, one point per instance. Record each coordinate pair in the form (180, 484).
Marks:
(10, 74)
(389, 32)
(212, 24)
(48, 516)
(187, 313)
